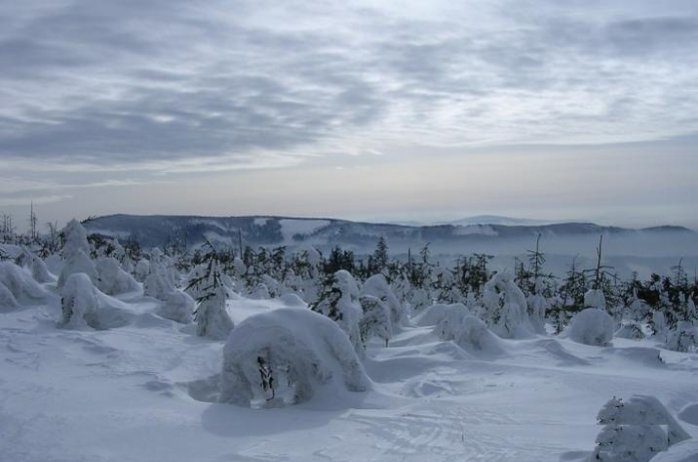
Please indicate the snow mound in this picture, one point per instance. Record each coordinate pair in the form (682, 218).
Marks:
(20, 284)
(468, 332)
(287, 356)
(689, 414)
(591, 326)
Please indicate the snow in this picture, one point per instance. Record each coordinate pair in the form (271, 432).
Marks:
(288, 356)
(291, 227)
(146, 390)
(591, 326)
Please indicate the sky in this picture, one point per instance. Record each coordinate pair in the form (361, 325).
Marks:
(391, 110)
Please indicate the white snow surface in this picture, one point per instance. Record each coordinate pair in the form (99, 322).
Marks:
(144, 392)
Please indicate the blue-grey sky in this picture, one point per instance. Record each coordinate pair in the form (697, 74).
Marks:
(554, 109)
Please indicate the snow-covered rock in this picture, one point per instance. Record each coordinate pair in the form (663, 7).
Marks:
(288, 356)
(591, 326)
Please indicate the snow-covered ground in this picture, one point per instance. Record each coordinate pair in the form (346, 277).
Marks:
(147, 391)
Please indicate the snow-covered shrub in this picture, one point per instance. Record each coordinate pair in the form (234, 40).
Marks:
(505, 307)
(377, 286)
(20, 284)
(7, 299)
(659, 324)
(683, 338)
(630, 330)
(339, 301)
(177, 306)
(158, 284)
(84, 305)
(78, 302)
(111, 279)
(211, 318)
(467, 331)
(591, 326)
(436, 313)
(594, 298)
(75, 239)
(259, 292)
(78, 262)
(538, 305)
(635, 431)
(142, 270)
(375, 321)
(36, 265)
(287, 356)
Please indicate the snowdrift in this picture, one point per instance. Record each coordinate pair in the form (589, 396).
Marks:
(287, 356)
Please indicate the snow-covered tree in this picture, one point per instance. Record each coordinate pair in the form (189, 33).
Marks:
(636, 430)
(376, 319)
(505, 307)
(76, 252)
(111, 279)
(591, 326)
(285, 357)
(339, 301)
(467, 331)
(212, 319)
(377, 286)
(79, 302)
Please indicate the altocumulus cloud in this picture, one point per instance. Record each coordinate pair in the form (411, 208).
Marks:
(176, 86)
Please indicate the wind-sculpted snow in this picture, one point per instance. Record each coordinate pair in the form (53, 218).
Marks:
(287, 356)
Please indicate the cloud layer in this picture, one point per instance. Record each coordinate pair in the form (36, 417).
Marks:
(92, 91)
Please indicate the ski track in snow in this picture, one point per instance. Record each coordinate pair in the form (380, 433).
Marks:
(143, 392)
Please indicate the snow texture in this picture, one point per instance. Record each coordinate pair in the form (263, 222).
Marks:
(288, 356)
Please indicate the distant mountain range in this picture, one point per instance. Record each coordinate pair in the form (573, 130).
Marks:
(158, 230)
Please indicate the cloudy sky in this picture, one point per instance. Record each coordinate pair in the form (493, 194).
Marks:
(576, 109)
